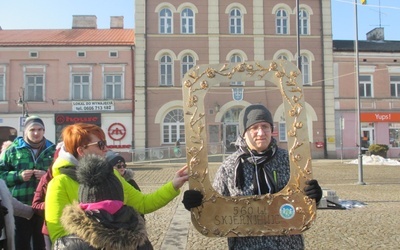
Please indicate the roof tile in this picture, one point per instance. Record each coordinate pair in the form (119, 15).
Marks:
(70, 37)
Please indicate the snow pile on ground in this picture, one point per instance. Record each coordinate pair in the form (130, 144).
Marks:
(348, 204)
(376, 160)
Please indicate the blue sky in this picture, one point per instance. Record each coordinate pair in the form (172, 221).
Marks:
(57, 14)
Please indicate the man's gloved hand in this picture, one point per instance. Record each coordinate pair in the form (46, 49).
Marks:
(192, 198)
(313, 190)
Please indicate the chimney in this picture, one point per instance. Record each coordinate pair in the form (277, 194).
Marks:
(377, 34)
(116, 22)
(84, 22)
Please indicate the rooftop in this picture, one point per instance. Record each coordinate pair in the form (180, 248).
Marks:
(67, 37)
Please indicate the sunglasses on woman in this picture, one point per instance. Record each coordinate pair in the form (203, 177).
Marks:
(121, 165)
(100, 144)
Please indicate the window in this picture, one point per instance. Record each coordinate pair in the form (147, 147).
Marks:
(395, 86)
(305, 70)
(2, 88)
(235, 21)
(174, 127)
(33, 54)
(281, 22)
(394, 134)
(34, 87)
(187, 63)
(303, 16)
(365, 86)
(187, 21)
(113, 86)
(165, 21)
(166, 71)
(113, 54)
(282, 57)
(80, 87)
(235, 59)
(81, 54)
(282, 131)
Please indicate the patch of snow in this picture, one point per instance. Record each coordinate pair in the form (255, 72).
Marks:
(348, 204)
(375, 160)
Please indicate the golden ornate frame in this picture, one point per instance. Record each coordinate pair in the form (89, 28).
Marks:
(286, 212)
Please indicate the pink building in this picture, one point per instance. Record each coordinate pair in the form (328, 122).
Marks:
(379, 94)
(171, 37)
(83, 74)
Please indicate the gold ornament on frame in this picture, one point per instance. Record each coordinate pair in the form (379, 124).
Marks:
(289, 211)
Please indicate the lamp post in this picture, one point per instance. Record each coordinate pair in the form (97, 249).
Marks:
(360, 159)
(21, 103)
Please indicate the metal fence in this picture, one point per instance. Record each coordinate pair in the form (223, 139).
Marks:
(173, 154)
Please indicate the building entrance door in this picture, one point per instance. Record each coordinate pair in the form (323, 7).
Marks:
(367, 138)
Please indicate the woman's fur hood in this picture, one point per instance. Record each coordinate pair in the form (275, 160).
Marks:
(129, 174)
(75, 221)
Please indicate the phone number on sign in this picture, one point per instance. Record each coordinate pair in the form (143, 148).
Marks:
(94, 108)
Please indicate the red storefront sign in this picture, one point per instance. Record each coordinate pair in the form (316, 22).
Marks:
(380, 117)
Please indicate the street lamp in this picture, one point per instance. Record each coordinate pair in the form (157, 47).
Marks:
(21, 103)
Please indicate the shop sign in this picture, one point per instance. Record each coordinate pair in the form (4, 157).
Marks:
(117, 132)
(380, 117)
(66, 119)
(97, 106)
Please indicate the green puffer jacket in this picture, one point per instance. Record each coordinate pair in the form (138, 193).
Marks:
(19, 157)
(63, 190)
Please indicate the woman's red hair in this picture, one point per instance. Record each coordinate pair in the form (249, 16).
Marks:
(78, 135)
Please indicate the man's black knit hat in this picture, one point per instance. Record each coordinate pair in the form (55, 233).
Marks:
(114, 158)
(97, 182)
(253, 114)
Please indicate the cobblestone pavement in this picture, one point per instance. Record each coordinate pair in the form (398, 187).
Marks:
(373, 226)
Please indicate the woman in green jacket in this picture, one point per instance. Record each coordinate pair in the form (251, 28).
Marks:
(82, 139)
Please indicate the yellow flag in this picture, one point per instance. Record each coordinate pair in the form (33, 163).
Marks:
(363, 1)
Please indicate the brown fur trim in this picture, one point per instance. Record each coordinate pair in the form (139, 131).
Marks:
(76, 222)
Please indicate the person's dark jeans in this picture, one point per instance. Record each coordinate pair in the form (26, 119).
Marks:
(28, 233)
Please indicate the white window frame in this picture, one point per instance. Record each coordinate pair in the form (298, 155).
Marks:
(113, 54)
(395, 86)
(2, 87)
(282, 22)
(165, 21)
(33, 54)
(34, 90)
(282, 56)
(394, 126)
(187, 63)
(113, 86)
(235, 59)
(83, 85)
(81, 54)
(366, 86)
(304, 21)
(282, 131)
(173, 127)
(166, 66)
(305, 69)
(187, 21)
(235, 21)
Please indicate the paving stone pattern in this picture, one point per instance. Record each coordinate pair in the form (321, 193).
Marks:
(374, 226)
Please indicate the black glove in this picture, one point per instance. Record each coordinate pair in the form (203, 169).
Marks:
(192, 198)
(313, 190)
